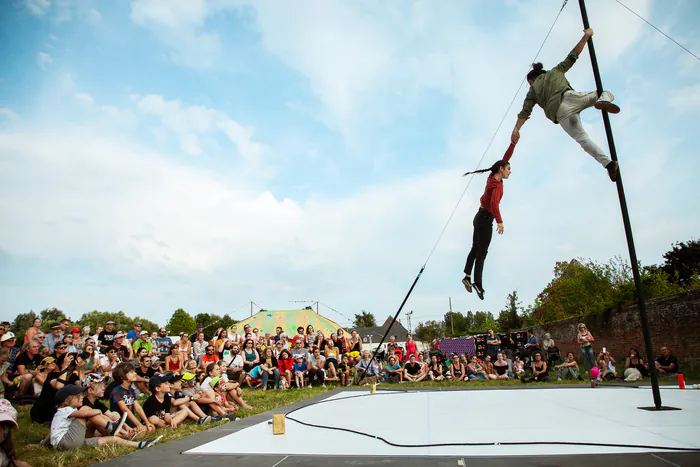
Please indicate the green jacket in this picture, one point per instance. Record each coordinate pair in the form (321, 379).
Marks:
(548, 88)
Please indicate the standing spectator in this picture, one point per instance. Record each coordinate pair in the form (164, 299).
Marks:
(199, 347)
(134, 334)
(54, 338)
(411, 348)
(8, 423)
(106, 337)
(532, 344)
(96, 336)
(569, 369)
(493, 344)
(163, 343)
(666, 364)
(195, 335)
(585, 339)
(36, 327)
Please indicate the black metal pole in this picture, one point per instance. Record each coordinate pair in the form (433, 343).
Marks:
(641, 306)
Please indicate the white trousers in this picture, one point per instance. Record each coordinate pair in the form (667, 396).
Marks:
(569, 119)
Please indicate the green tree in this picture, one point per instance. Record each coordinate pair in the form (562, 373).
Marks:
(20, 325)
(456, 324)
(509, 318)
(364, 320)
(181, 321)
(227, 321)
(483, 321)
(682, 262)
(51, 316)
(430, 330)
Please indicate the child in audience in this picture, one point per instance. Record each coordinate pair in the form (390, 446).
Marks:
(299, 370)
(518, 367)
(219, 386)
(122, 399)
(344, 371)
(8, 423)
(159, 408)
(181, 389)
(70, 424)
(95, 390)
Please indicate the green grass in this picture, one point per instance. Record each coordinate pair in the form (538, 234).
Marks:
(29, 434)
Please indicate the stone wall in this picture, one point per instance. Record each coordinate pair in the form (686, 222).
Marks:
(674, 322)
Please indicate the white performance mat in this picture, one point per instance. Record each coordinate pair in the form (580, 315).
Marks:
(601, 415)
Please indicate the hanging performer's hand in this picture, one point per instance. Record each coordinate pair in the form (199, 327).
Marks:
(499, 228)
(515, 136)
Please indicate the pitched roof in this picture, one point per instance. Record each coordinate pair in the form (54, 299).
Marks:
(377, 332)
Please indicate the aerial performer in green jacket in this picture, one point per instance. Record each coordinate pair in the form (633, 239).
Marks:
(552, 91)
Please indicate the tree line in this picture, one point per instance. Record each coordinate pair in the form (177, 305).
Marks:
(579, 287)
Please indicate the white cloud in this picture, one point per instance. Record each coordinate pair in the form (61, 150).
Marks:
(8, 113)
(38, 7)
(43, 59)
(83, 98)
(686, 99)
(187, 122)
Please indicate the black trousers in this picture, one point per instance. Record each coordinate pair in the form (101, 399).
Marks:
(483, 231)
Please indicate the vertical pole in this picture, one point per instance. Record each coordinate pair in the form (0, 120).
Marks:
(641, 306)
(452, 319)
(251, 308)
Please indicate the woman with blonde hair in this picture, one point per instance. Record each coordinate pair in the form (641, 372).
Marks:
(585, 339)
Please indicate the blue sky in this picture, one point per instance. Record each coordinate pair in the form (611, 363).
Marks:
(203, 154)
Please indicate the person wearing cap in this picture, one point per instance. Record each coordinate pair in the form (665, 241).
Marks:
(77, 341)
(54, 337)
(142, 342)
(159, 406)
(65, 373)
(123, 350)
(96, 385)
(74, 421)
(194, 336)
(8, 423)
(106, 337)
(7, 341)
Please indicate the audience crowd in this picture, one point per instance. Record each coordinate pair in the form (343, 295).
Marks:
(113, 386)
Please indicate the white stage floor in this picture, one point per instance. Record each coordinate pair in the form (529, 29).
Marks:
(601, 415)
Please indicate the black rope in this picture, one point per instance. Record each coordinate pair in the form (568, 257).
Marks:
(490, 443)
(659, 30)
(459, 201)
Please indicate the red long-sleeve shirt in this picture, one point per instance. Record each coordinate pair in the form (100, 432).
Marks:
(493, 193)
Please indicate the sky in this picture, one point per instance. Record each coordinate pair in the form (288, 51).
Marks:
(164, 154)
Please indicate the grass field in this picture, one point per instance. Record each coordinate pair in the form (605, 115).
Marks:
(30, 434)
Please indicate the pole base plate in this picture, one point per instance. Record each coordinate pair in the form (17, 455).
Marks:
(654, 408)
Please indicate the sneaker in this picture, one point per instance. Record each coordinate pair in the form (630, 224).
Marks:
(479, 291)
(117, 426)
(152, 442)
(204, 420)
(467, 284)
(612, 169)
(232, 417)
(216, 418)
(604, 102)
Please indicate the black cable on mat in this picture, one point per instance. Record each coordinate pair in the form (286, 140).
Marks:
(491, 443)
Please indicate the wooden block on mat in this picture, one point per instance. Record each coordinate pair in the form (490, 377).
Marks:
(278, 424)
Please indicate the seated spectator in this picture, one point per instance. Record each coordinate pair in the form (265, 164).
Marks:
(92, 362)
(163, 344)
(367, 370)
(332, 354)
(159, 407)
(47, 365)
(26, 366)
(122, 399)
(208, 358)
(4, 365)
(219, 387)
(44, 407)
(414, 371)
(145, 373)
(393, 371)
(54, 337)
(95, 385)
(285, 364)
(316, 369)
(539, 370)
(234, 365)
(233, 389)
(500, 366)
(269, 367)
(532, 345)
(174, 361)
(251, 357)
(35, 328)
(606, 364)
(489, 371)
(8, 423)
(142, 342)
(475, 370)
(635, 368)
(518, 367)
(666, 364)
(435, 371)
(458, 369)
(72, 420)
(199, 346)
(568, 370)
(137, 357)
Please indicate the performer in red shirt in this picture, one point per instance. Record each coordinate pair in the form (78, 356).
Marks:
(483, 221)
